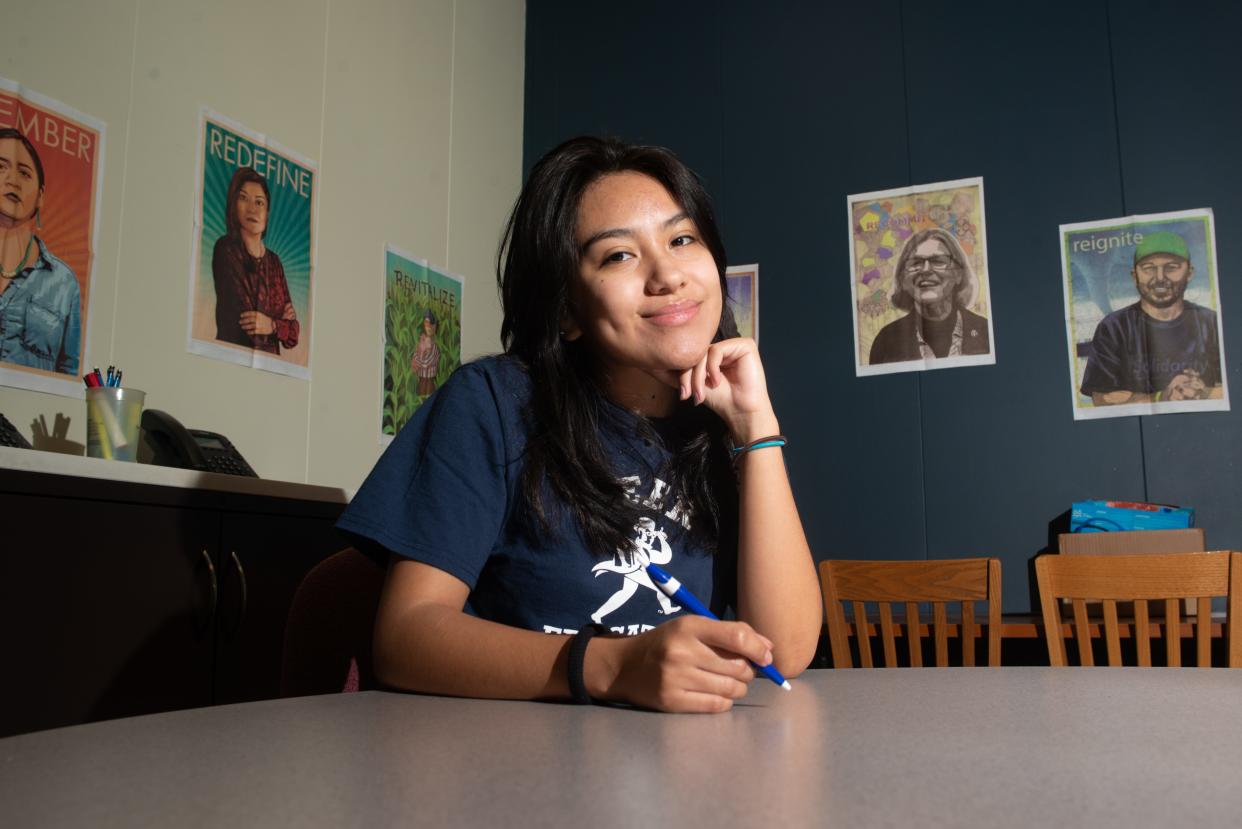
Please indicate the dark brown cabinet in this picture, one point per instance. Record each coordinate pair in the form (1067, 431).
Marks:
(119, 599)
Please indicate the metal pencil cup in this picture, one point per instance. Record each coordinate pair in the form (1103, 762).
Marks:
(113, 416)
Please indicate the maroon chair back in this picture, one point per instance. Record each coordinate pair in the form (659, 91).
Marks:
(327, 646)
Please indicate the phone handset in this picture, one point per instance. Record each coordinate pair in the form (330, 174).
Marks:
(171, 444)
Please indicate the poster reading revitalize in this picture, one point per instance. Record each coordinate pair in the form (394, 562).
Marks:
(919, 278)
(422, 336)
(1143, 315)
(51, 182)
(252, 262)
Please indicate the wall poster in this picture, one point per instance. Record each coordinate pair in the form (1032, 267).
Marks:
(253, 257)
(421, 338)
(919, 278)
(51, 185)
(743, 282)
(1143, 315)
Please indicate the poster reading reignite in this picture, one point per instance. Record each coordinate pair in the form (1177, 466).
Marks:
(51, 183)
(919, 278)
(1143, 315)
(743, 282)
(422, 336)
(253, 259)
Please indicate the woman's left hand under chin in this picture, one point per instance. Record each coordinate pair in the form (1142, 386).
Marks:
(729, 380)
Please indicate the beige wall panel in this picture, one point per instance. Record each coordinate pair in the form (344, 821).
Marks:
(386, 162)
(260, 64)
(488, 73)
(96, 82)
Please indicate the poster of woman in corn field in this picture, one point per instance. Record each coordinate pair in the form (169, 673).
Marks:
(422, 335)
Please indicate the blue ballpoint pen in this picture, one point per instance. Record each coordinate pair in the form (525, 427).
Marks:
(672, 588)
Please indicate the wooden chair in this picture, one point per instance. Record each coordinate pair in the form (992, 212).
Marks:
(910, 582)
(1140, 578)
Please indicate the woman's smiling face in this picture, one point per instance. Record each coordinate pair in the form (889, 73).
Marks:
(647, 296)
(931, 275)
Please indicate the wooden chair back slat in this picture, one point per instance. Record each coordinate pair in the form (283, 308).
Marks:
(1173, 631)
(1137, 578)
(1233, 613)
(940, 624)
(968, 633)
(1142, 633)
(914, 635)
(910, 583)
(1203, 632)
(994, 612)
(1082, 634)
(890, 637)
(864, 635)
(1111, 634)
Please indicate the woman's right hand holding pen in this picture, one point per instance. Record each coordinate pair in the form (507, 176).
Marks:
(690, 664)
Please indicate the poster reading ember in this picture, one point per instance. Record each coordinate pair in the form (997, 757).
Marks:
(253, 258)
(919, 278)
(1143, 315)
(422, 336)
(51, 182)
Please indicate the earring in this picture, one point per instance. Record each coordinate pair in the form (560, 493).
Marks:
(39, 218)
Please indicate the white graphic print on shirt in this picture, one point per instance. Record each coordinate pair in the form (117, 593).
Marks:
(631, 565)
(650, 546)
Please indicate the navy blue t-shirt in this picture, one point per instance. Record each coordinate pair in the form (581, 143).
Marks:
(1133, 352)
(447, 493)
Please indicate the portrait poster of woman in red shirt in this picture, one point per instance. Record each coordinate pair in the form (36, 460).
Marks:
(254, 251)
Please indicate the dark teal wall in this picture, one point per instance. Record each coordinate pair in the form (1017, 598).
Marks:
(1070, 111)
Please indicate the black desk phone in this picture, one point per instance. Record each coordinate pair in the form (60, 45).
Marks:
(10, 436)
(172, 444)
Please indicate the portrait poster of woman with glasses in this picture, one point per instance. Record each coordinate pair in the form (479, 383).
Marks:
(919, 278)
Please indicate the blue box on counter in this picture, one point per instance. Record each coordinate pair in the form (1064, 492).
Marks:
(1116, 516)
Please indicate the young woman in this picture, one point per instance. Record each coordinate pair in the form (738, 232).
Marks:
(253, 307)
(525, 498)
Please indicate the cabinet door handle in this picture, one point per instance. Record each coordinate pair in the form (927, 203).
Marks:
(215, 591)
(241, 575)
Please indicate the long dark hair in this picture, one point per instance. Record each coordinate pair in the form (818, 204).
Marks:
(538, 258)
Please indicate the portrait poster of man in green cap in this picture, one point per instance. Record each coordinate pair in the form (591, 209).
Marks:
(1143, 315)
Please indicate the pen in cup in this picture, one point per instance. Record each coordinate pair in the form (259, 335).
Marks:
(672, 588)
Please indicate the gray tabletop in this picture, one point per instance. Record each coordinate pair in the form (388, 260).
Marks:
(934, 747)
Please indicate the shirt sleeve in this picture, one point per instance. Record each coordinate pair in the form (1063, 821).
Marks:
(1104, 372)
(287, 331)
(439, 494)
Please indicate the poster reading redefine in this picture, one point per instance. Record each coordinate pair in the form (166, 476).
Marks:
(743, 282)
(422, 336)
(253, 259)
(51, 184)
(1143, 315)
(919, 278)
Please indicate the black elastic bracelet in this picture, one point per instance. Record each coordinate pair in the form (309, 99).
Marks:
(577, 653)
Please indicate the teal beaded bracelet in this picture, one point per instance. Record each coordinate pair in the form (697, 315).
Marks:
(761, 443)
